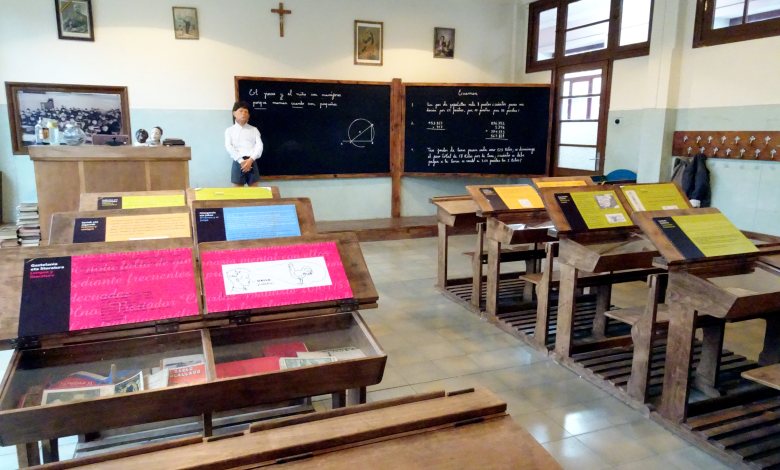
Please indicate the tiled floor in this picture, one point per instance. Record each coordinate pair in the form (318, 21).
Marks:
(433, 343)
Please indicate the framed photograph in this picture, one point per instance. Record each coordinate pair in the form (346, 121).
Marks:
(443, 43)
(185, 23)
(74, 19)
(96, 109)
(368, 42)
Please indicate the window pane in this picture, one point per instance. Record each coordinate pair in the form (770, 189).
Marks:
(579, 133)
(586, 12)
(578, 158)
(546, 40)
(589, 38)
(760, 10)
(728, 13)
(577, 109)
(580, 87)
(635, 21)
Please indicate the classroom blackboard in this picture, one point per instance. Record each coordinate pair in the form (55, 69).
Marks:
(319, 127)
(470, 129)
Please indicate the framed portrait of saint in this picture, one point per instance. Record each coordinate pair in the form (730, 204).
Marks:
(185, 23)
(74, 19)
(443, 43)
(368, 42)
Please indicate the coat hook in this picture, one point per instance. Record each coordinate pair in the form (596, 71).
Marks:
(701, 149)
(741, 153)
(757, 152)
(737, 139)
(728, 152)
(722, 139)
(766, 140)
(685, 138)
(772, 153)
(689, 150)
(715, 151)
(752, 138)
(698, 139)
(709, 139)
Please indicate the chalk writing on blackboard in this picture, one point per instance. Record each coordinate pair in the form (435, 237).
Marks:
(483, 155)
(476, 129)
(294, 99)
(360, 132)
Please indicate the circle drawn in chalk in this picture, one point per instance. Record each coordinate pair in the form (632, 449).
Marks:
(360, 132)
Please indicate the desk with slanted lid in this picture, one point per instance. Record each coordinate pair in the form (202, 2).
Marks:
(464, 430)
(454, 214)
(714, 274)
(614, 246)
(515, 217)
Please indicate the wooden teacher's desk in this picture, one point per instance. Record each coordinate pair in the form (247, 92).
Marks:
(63, 173)
(467, 429)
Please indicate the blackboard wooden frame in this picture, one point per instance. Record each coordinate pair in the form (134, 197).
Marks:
(397, 133)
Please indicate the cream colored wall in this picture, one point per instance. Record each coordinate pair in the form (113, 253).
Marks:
(186, 86)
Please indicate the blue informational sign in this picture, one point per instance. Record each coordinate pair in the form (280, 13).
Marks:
(248, 223)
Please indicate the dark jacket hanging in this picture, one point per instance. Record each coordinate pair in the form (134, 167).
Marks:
(696, 180)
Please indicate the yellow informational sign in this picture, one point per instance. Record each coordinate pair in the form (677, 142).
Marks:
(519, 197)
(147, 227)
(714, 234)
(143, 202)
(601, 209)
(654, 197)
(224, 194)
(560, 184)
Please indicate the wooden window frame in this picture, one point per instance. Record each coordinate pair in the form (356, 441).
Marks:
(612, 51)
(704, 35)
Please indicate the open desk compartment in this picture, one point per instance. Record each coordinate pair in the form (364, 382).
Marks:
(224, 360)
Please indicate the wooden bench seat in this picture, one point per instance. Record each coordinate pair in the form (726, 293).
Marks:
(632, 315)
(514, 253)
(768, 375)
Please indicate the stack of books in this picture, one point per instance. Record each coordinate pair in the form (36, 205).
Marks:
(28, 225)
(8, 236)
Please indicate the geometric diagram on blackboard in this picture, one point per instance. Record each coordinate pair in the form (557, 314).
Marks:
(359, 133)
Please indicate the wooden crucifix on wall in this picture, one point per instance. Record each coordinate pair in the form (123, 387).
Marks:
(281, 12)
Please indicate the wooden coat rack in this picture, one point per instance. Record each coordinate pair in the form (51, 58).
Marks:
(740, 145)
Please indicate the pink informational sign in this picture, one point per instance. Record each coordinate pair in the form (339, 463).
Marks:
(273, 276)
(120, 288)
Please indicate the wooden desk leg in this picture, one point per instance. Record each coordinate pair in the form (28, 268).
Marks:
(643, 334)
(339, 399)
(356, 396)
(706, 378)
(771, 352)
(531, 266)
(493, 276)
(50, 450)
(603, 301)
(208, 424)
(542, 328)
(566, 310)
(476, 268)
(679, 354)
(28, 454)
(441, 279)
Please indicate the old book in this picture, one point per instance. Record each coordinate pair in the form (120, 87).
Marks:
(66, 395)
(187, 374)
(181, 361)
(284, 349)
(256, 365)
(293, 362)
